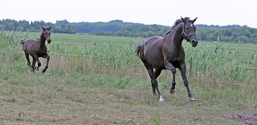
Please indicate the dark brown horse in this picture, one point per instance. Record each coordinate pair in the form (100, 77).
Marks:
(158, 53)
(37, 48)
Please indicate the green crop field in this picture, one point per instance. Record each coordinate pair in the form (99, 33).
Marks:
(100, 80)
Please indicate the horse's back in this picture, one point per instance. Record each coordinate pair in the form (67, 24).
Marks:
(30, 45)
(153, 39)
(31, 42)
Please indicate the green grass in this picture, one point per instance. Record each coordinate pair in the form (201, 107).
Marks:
(106, 83)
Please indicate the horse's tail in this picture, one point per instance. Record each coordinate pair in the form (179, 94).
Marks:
(22, 42)
(138, 49)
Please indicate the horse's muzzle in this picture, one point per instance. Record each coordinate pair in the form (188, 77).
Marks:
(49, 41)
(194, 43)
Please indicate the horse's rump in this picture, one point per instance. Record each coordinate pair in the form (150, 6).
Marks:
(151, 52)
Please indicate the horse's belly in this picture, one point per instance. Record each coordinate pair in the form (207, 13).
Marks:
(156, 62)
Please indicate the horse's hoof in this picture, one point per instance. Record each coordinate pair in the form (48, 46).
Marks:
(192, 99)
(161, 99)
(172, 91)
(36, 68)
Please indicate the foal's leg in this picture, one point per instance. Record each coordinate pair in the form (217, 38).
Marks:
(28, 61)
(183, 74)
(33, 64)
(38, 63)
(48, 58)
(170, 67)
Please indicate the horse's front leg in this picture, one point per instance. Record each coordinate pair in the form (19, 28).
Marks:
(170, 67)
(47, 61)
(183, 74)
(172, 88)
(38, 63)
(33, 65)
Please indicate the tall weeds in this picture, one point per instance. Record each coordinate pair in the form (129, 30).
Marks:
(215, 67)
(11, 39)
(217, 63)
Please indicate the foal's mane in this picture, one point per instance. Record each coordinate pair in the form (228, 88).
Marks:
(177, 22)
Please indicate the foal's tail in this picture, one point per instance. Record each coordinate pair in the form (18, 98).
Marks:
(22, 42)
(138, 49)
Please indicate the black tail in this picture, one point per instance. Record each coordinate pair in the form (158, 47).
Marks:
(138, 49)
(22, 42)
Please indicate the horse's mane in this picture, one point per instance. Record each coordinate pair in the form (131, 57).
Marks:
(178, 21)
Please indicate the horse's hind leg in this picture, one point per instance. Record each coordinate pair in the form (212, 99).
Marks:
(47, 61)
(156, 73)
(153, 75)
(28, 61)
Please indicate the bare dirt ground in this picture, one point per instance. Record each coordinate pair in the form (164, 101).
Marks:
(250, 119)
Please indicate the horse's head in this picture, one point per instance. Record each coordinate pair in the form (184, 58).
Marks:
(46, 34)
(189, 31)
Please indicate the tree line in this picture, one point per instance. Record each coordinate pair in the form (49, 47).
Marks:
(145, 31)
(35, 26)
(229, 33)
(236, 34)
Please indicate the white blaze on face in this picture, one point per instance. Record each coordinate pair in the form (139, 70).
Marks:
(191, 24)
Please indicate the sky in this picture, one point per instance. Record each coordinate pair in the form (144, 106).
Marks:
(163, 12)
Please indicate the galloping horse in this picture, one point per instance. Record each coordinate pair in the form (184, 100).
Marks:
(158, 53)
(37, 48)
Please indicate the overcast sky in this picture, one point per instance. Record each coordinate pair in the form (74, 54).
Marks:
(163, 12)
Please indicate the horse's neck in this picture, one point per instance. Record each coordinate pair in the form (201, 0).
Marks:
(176, 36)
(42, 42)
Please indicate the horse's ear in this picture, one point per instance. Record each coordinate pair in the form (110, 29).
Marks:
(42, 28)
(195, 19)
(49, 28)
(183, 20)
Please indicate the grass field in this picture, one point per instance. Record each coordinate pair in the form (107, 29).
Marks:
(99, 80)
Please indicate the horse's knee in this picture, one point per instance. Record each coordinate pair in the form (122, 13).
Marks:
(173, 70)
(47, 57)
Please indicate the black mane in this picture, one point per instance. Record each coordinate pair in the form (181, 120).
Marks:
(178, 21)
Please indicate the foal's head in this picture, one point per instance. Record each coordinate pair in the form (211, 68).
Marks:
(46, 34)
(189, 31)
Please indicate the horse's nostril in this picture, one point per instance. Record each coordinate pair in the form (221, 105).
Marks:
(194, 41)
